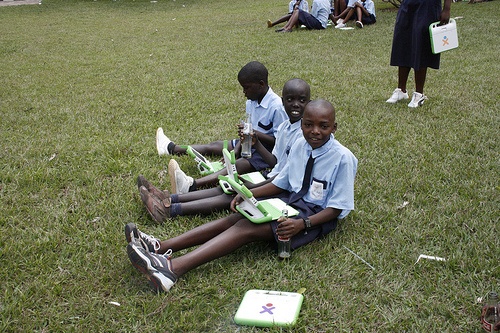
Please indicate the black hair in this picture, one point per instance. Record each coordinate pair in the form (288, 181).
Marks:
(253, 72)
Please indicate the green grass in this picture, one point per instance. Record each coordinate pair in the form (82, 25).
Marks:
(84, 84)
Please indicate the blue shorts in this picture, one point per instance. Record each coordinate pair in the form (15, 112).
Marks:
(305, 210)
(368, 19)
(256, 161)
(309, 21)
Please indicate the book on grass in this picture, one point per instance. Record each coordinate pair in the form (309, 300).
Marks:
(258, 211)
(267, 308)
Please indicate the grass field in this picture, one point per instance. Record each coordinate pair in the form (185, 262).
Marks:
(85, 84)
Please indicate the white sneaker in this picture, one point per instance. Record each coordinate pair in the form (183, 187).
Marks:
(397, 95)
(182, 182)
(417, 100)
(339, 21)
(359, 24)
(172, 167)
(340, 25)
(162, 142)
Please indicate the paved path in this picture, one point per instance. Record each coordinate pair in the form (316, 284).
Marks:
(18, 2)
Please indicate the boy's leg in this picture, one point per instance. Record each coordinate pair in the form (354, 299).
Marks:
(196, 195)
(339, 7)
(292, 22)
(218, 240)
(165, 146)
(359, 14)
(342, 13)
(213, 148)
(183, 184)
(199, 234)
(242, 165)
(350, 13)
(278, 21)
(359, 19)
(203, 206)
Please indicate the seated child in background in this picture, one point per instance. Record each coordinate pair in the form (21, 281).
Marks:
(301, 4)
(264, 108)
(162, 205)
(364, 10)
(317, 19)
(338, 7)
(329, 196)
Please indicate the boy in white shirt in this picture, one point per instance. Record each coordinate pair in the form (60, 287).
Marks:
(364, 10)
(326, 195)
(300, 4)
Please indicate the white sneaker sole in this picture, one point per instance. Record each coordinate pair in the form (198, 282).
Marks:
(172, 167)
(159, 137)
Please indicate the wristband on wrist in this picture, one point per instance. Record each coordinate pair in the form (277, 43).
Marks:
(307, 225)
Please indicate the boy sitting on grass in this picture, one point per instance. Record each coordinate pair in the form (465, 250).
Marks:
(328, 169)
(162, 205)
(265, 109)
(364, 11)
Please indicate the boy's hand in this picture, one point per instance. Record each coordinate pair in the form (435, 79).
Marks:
(235, 202)
(247, 183)
(287, 227)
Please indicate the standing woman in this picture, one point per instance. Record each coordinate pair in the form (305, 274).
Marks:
(411, 46)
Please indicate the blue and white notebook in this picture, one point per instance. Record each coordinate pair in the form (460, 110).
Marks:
(267, 308)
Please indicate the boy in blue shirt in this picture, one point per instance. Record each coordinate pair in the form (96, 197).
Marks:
(329, 196)
(265, 109)
(162, 205)
(364, 11)
(301, 4)
(317, 19)
(263, 105)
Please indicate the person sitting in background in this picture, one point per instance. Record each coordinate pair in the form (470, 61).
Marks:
(301, 4)
(364, 11)
(317, 19)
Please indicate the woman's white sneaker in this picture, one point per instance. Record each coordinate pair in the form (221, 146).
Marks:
(397, 95)
(417, 100)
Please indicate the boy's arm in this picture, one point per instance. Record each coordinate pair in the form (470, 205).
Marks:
(267, 156)
(268, 189)
(265, 138)
(251, 185)
(293, 226)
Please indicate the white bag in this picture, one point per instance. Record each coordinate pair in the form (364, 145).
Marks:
(443, 37)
